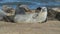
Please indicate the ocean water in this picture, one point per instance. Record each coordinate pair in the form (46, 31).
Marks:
(32, 4)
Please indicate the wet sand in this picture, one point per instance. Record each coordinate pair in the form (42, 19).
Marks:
(50, 27)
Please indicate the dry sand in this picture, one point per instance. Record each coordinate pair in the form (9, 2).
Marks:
(50, 27)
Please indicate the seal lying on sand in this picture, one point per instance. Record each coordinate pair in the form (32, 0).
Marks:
(32, 18)
(2, 14)
(7, 13)
(54, 13)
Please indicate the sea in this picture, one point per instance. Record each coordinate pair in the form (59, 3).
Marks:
(32, 4)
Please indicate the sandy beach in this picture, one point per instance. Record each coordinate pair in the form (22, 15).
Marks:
(50, 27)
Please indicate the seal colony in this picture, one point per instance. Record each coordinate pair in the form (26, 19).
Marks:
(22, 14)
